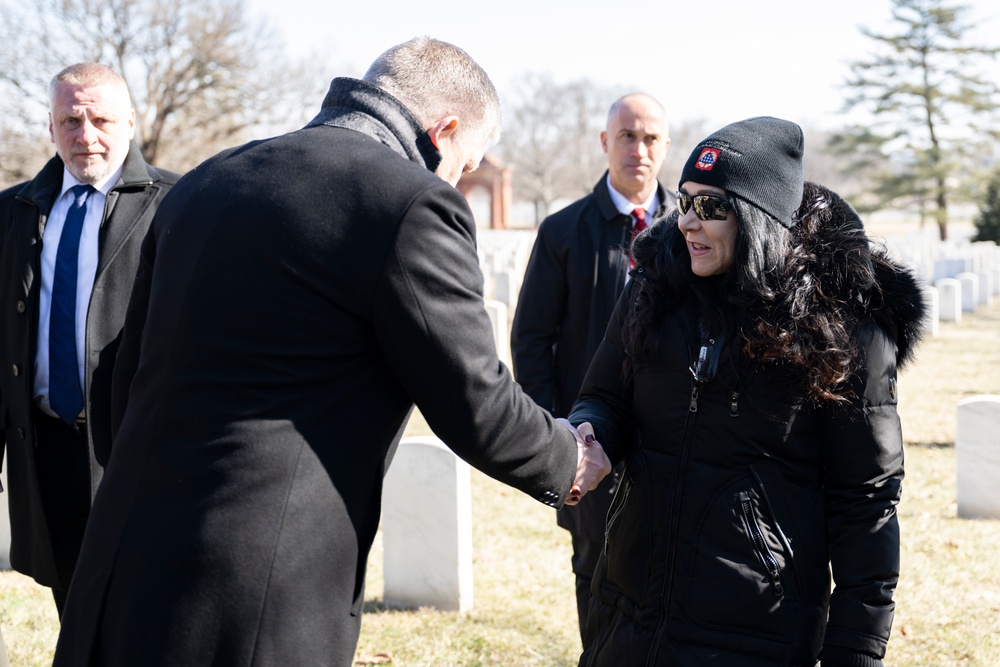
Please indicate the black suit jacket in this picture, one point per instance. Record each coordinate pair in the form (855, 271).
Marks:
(296, 297)
(24, 211)
(574, 276)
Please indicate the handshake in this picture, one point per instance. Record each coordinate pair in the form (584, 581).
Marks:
(592, 464)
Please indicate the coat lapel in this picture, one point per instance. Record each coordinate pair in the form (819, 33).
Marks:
(127, 201)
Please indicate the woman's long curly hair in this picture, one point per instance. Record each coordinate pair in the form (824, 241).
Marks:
(791, 297)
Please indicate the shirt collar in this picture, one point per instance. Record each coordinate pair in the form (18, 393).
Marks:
(103, 186)
(625, 207)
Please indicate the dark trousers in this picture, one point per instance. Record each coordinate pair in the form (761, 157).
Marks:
(585, 556)
(62, 460)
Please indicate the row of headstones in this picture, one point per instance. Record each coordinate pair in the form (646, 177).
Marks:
(959, 276)
(503, 258)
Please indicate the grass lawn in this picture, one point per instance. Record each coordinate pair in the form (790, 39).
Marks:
(948, 600)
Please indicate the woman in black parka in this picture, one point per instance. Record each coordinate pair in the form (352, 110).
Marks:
(748, 379)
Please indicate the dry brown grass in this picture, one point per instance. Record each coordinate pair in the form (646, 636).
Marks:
(948, 611)
(948, 600)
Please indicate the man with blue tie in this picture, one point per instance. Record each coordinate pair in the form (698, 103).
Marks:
(69, 250)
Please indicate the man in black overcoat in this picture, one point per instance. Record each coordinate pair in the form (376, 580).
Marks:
(578, 267)
(296, 297)
(52, 470)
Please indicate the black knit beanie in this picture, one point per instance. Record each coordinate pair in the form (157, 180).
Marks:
(758, 159)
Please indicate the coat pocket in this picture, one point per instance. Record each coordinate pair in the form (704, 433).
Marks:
(743, 578)
(628, 544)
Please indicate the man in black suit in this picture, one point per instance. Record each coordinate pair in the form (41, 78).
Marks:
(578, 267)
(69, 249)
(297, 295)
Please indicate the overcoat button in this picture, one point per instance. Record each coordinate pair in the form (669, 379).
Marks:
(20, 306)
(20, 432)
(15, 370)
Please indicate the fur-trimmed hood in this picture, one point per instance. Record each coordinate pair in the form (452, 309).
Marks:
(891, 291)
(800, 309)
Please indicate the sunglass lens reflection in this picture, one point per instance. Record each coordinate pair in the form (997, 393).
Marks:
(706, 207)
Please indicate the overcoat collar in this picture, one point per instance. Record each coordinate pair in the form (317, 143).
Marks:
(41, 191)
(45, 186)
(611, 213)
(360, 106)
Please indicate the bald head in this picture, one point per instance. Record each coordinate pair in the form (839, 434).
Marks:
(636, 140)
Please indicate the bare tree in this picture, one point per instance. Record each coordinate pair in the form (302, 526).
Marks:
(684, 136)
(552, 138)
(203, 75)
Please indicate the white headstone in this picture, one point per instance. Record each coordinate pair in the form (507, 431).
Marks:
(949, 299)
(970, 291)
(4, 521)
(503, 288)
(427, 528)
(3, 653)
(985, 288)
(501, 332)
(933, 311)
(977, 452)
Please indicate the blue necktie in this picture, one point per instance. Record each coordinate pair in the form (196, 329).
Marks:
(65, 393)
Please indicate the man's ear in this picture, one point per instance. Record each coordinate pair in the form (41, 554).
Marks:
(442, 129)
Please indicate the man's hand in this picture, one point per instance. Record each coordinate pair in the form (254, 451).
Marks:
(592, 464)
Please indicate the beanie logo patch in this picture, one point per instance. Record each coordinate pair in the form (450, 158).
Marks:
(707, 159)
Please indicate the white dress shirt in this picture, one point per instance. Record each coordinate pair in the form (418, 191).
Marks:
(87, 270)
(625, 207)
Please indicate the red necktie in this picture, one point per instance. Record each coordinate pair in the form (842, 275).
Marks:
(639, 214)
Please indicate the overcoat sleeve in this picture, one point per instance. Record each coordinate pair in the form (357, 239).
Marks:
(862, 482)
(435, 333)
(605, 399)
(540, 310)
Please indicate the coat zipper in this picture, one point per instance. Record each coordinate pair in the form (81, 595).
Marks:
(701, 371)
(734, 396)
(760, 547)
(624, 490)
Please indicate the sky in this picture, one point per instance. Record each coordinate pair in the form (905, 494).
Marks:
(717, 60)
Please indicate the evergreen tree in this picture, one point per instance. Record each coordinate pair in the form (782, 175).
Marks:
(931, 109)
(988, 222)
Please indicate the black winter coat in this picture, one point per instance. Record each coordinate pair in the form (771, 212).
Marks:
(297, 296)
(574, 277)
(742, 496)
(24, 211)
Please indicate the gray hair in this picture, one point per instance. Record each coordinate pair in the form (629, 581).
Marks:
(93, 74)
(435, 79)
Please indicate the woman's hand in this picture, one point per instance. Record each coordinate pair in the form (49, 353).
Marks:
(592, 464)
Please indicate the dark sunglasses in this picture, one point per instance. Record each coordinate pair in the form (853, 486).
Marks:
(706, 207)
